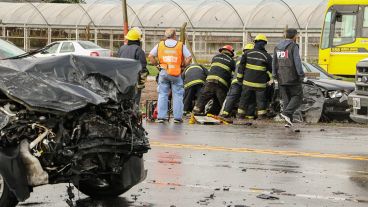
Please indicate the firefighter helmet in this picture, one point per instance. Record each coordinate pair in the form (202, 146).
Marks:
(249, 46)
(227, 47)
(261, 37)
(134, 34)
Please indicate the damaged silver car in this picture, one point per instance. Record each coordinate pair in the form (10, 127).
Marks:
(69, 119)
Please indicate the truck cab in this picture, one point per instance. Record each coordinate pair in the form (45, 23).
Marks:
(344, 38)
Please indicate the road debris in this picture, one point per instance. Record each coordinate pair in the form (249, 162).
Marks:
(267, 197)
(277, 191)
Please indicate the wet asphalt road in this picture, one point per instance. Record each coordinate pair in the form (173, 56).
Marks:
(194, 165)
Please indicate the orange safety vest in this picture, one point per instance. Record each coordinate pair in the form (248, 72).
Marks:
(171, 58)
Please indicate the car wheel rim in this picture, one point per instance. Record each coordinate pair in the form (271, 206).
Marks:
(2, 183)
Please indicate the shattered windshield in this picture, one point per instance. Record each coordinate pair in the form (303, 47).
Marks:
(8, 50)
(311, 68)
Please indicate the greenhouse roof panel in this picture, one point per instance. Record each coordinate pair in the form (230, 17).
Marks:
(200, 14)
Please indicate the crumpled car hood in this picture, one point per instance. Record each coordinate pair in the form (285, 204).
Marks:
(332, 84)
(67, 83)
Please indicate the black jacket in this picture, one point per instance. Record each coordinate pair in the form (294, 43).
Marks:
(134, 51)
(222, 67)
(194, 75)
(287, 65)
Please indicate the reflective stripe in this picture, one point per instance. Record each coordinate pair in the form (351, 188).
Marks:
(191, 67)
(213, 77)
(225, 113)
(234, 81)
(255, 85)
(225, 67)
(239, 75)
(249, 117)
(253, 52)
(253, 58)
(238, 62)
(262, 112)
(269, 75)
(193, 83)
(255, 67)
(241, 111)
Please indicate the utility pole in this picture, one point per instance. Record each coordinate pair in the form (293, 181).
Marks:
(125, 16)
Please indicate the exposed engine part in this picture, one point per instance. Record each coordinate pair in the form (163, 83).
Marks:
(79, 125)
(7, 111)
(76, 132)
(35, 174)
(4, 120)
(41, 136)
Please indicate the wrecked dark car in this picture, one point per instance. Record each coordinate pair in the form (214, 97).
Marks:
(69, 119)
(324, 96)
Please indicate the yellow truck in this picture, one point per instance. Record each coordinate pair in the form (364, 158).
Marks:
(344, 40)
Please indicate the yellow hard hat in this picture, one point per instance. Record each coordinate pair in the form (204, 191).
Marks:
(261, 37)
(249, 46)
(134, 34)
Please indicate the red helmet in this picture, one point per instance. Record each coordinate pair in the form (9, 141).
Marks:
(227, 47)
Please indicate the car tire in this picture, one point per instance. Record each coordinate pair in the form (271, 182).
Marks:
(93, 190)
(7, 198)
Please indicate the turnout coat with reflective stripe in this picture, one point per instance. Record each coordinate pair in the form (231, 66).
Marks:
(194, 75)
(221, 70)
(255, 68)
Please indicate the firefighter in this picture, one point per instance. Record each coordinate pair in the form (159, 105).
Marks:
(133, 50)
(194, 77)
(218, 80)
(234, 93)
(255, 72)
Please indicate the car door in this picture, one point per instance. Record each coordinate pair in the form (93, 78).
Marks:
(67, 48)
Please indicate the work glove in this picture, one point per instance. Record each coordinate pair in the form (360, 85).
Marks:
(142, 78)
(270, 82)
(303, 79)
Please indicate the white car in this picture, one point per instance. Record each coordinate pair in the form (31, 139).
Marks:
(86, 48)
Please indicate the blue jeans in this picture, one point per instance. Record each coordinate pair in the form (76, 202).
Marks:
(177, 88)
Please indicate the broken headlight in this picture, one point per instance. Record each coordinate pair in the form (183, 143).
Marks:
(335, 94)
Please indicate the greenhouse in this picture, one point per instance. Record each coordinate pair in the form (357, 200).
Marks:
(211, 23)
